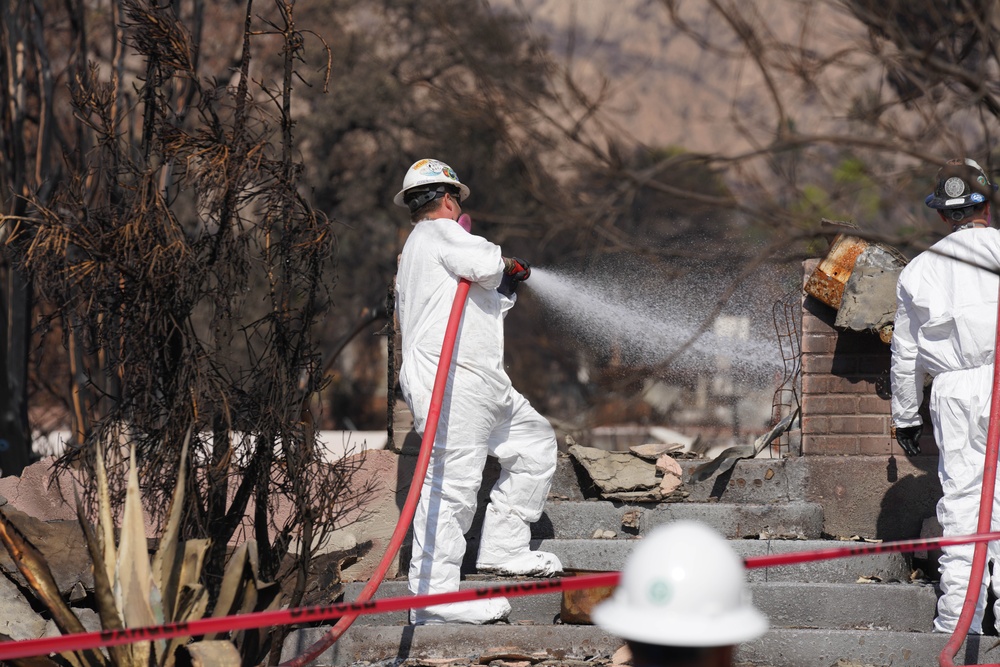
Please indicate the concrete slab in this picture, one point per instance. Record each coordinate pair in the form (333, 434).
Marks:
(884, 497)
(778, 648)
(611, 554)
(748, 481)
(899, 607)
(538, 609)
(378, 643)
(579, 520)
(823, 648)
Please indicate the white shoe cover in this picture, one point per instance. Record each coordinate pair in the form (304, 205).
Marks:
(474, 612)
(527, 564)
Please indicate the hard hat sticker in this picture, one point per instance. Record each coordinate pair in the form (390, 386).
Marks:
(659, 592)
(977, 198)
(954, 186)
(432, 168)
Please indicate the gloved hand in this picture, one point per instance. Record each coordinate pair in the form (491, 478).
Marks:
(908, 438)
(518, 269)
(514, 271)
(465, 222)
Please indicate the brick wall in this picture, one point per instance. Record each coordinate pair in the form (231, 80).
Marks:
(845, 387)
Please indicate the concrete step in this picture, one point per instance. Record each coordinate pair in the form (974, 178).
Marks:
(780, 647)
(538, 609)
(898, 607)
(610, 555)
(580, 519)
(749, 480)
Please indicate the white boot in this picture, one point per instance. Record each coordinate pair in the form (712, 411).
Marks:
(526, 564)
(474, 612)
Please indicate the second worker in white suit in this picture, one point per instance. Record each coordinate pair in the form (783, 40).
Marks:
(481, 415)
(945, 328)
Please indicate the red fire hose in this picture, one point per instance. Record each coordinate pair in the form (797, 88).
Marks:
(947, 656)
(410, 506)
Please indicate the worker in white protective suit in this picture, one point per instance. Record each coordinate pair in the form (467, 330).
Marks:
(944, 329)
(481, 414)
(682, 600)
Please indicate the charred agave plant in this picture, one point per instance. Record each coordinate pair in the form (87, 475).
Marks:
(132, 589)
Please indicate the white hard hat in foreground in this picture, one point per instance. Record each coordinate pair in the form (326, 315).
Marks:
(682, 585)
(429, 172)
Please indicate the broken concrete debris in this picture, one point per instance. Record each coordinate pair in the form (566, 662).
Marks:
(671, 471)
(625, 476)
(615, 472)
(64, 548)
(655, 450)
(858, 279)
(623, 656)
(510, 654)
(630, 520)
(17, 619)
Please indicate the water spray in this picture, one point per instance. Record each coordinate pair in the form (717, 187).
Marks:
(650, 327)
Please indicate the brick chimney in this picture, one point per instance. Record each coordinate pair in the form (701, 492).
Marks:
(845, 387)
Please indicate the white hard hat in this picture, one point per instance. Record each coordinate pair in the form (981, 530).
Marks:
(682, 585)
(429, 172)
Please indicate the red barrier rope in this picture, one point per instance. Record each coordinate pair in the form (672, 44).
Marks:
(974, 589)
(88, 640)
(410, 506)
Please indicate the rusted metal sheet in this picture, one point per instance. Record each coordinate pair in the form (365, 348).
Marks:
(858, 280)
(828, 280)
(577, 605)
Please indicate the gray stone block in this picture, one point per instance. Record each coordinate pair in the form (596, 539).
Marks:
(843, 606)
(579, 520)
(610, 555)
(780, 647)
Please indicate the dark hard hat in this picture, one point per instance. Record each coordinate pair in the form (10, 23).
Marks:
(960, 183)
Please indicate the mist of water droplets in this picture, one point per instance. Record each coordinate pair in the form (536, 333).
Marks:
(652, 325)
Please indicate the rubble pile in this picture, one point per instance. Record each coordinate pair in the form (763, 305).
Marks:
(632, 476)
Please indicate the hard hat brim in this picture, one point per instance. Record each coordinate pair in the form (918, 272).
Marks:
(463, 190)
(725, 629)
(952, 202)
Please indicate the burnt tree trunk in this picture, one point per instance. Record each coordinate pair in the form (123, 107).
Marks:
(15, 436)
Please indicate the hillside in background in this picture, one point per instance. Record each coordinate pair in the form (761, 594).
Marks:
(664, 87)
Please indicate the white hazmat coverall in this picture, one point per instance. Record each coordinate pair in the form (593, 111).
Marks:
(945, 327)
(481, 415)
